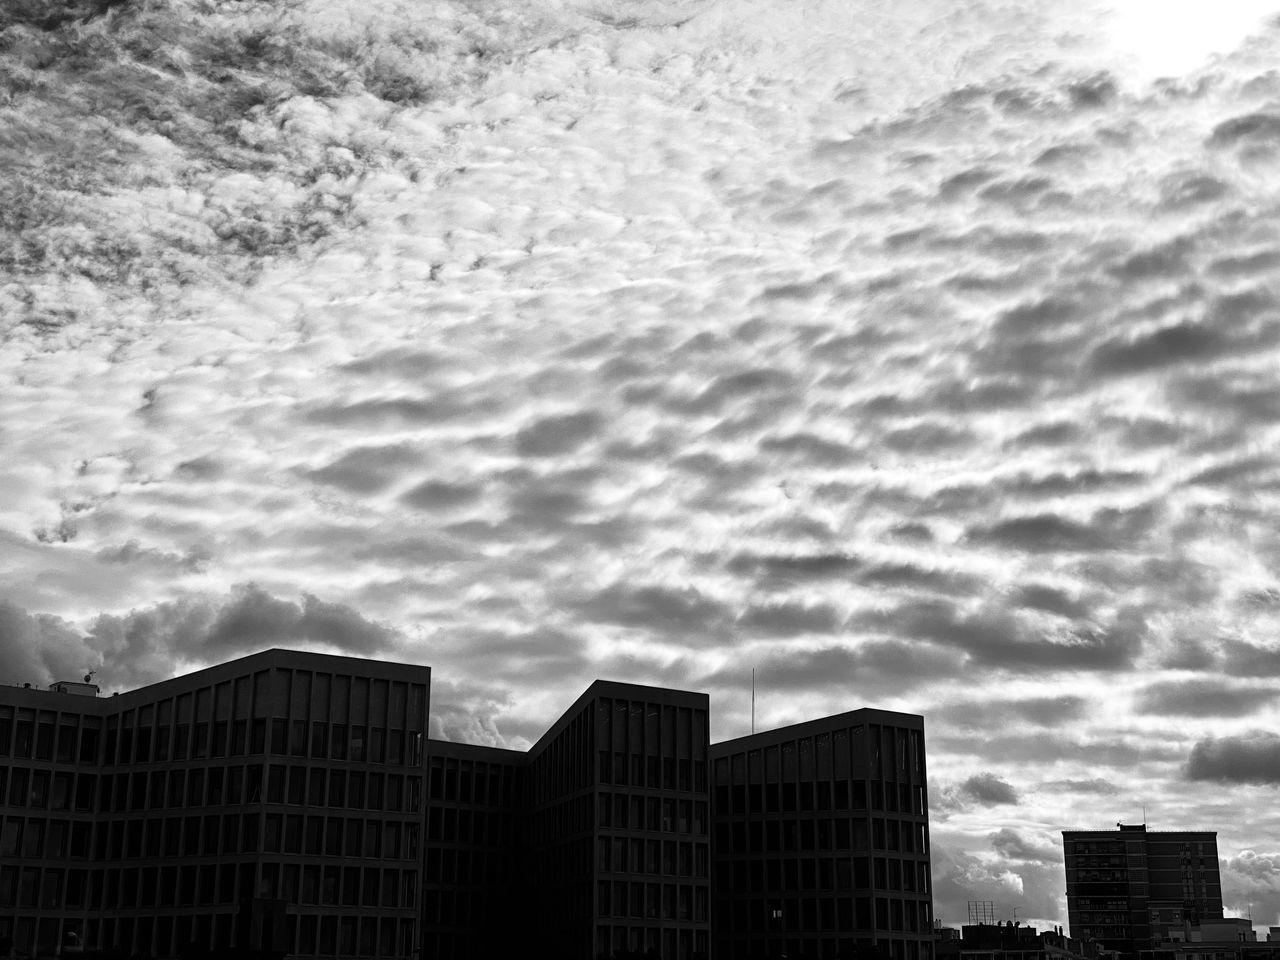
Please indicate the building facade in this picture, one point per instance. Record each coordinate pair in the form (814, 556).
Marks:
(291, 803)
(821, 840)
(1011, 941)
(1127, 887)
(273, 803)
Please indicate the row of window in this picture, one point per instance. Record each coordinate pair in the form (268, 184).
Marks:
(323, 934)
(612, 940)
(757, 798)
(652, 901)
(745, 946)
(667, 858)
(211, 835)
(658, 814)
(653, 729)
(822, 873)
(214, 786)
(656, 773)
(464, 867)
(208, 884)
(471, 827)
(473, 782)
(825, 914)
(756, 836)
(77, 740)
(856, 752)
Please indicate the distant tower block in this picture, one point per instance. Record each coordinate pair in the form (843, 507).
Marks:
(982, 911)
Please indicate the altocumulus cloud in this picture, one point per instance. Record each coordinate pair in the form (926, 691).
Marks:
(1249, 758)
(147, 644)
(988, 789)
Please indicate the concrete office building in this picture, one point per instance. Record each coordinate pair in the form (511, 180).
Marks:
(821, 841)
(610, 815)
(1126, 888)
(290, 802)
(271, 803)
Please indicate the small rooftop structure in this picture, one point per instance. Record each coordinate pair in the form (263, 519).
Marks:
(83, 688)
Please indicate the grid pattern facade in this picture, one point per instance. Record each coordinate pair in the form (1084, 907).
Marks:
(1124, 886)
(474, 907)
(651, 821)
(273, 802)
(821, 840)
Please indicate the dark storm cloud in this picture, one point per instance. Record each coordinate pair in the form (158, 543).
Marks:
(1201, 697)
(38, 648)
(1189, 654)
(1030, 749)
(1041, 711)
(391, 412)
(146, 644)
(1058, 484)
(926, 437)
(1233, 471)
(1250, 758)
(552, 436)
(1056, 434)
(1031, 888)
(1039, 596)
(800, 566)
(988, 790)
(143, 645)
(993, 637)
(1182, 343)
(1096, 785)
(872, 668)
(1253, 878)
(1013, 846)
(1265, 262)
(1190, 189)
(1251, 129)
(806, 446)
(1243, 659)
(368, 469)
(441, 495)
(1252, 400)
(913, 576)
(407, 364)
(1047, 533)
(1163, 261)
(753, 384)
(682, 613)
(789, 619)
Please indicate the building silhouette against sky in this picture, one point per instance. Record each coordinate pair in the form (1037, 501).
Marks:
(1127, 887)
(290, 802)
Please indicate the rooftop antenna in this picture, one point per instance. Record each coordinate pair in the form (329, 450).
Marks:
(753, 701)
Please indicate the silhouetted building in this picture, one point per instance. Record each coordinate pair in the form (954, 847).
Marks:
(1125, 887)
(290, 802)
(1011, 941)
(1232, 938)
(610, 817)
(821, 840)
(271, 804)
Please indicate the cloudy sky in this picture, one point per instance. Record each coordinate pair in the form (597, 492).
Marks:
(921, 355)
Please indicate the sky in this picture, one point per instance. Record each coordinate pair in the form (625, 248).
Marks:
(917, 355)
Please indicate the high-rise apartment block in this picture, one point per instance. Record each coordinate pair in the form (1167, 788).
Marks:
(1126, 887)
(290, 802)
